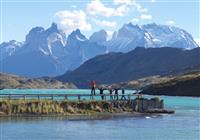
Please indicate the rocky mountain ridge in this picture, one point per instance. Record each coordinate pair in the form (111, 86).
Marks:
(48, 52)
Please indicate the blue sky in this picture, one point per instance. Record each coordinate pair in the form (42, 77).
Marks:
(19, 16)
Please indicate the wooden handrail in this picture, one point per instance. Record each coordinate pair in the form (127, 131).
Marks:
(5, 94)
(65, 96)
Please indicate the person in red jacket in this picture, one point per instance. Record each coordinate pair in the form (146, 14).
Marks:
(93, 87)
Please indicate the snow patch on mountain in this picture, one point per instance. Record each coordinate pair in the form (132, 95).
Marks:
(8, 48)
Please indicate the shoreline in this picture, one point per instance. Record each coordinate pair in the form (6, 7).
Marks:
(97, 116)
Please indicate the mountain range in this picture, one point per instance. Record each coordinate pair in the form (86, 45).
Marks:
(150, 35)
(141, 62)
(49, 52)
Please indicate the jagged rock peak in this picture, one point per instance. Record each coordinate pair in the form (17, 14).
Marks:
(99, 37)
(77, 35)
(53, 28)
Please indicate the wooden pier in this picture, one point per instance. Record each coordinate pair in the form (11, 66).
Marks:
(105, 97)
(133, 102)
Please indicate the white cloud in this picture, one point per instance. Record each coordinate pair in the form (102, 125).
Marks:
(132, 3)
(96, 7)
(105, 23)
(170, 22)
(146, 16)
(74, 6)
(135, 20)
(71, 20)
(119, 2)
(197, 40)
(153, 0)
(142, 10)
(139, 8)
(121, 10)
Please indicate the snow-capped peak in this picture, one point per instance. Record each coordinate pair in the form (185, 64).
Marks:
(76, 35)
(150, 35)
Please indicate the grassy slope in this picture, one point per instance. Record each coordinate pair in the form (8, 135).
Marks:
(145, 82)
(10, 81)
(183, 85)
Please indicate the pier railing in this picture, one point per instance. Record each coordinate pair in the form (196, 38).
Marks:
(69, 96)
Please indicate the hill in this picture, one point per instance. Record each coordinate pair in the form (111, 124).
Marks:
(141, 62)
(9, 81)
(183, 85)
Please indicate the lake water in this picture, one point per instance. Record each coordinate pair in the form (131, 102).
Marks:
(183, 125)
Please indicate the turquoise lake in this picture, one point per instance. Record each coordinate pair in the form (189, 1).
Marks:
(183, 125)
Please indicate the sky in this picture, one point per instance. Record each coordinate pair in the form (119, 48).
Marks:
(18, 17)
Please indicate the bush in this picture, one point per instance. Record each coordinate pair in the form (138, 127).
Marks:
(106, 106)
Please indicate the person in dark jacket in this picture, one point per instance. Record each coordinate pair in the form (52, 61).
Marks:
(116, 97)
(101, 89)
(123, 94)
(110, 92)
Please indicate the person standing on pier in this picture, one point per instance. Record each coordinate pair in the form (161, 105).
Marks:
(123, 94)
(116, 93)
(101, 89)
(110, 92)
(93, 87)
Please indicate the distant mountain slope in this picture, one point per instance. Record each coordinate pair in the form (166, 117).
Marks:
(184, 85)
(48, 52)
(9, 81)
(141, 62)
(31, 64)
